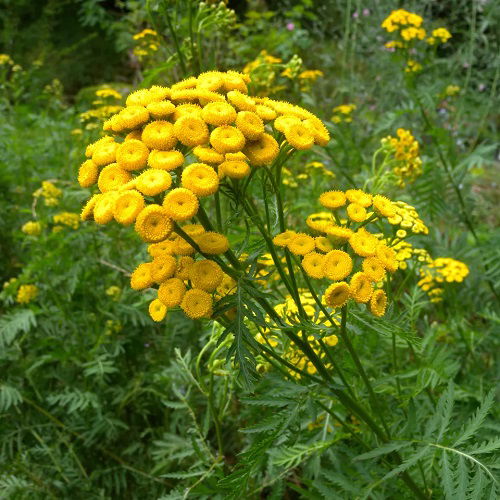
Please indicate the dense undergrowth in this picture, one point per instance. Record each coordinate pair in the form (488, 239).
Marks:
(97, 400)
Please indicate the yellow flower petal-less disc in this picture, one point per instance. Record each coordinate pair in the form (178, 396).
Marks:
(213, 243)
(378, 303)
(250, 124)
(361, 287)
(153, 224)
(171, 292)
(132, 154)
(165, 160)
(112, 177)
(234, 169)
(133, 117)
(159, 135)
(206, 275)
(301, 244)
(103, 209)
(161, 110)
(337, 294)
(337, 265)
(87, 174)
(141, 277)
(333, 199)
(373, 268)
(227, 139)
(312, 264)
(127, 207)
(263, 151)
(219, 113)
(299, 137)
(181, 204)
(201, 179)
(157, 310)
(208, 155)
(104, 153)
(197, 304)
(153, 181)
(191, 130)
(163, 267)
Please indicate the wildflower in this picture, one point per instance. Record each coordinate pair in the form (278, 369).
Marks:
(343, 113)
(227, 139)
(359, 197)
(213, 243)
(50, 193)
(163, 267)
(197, 304)
(373, 268)
(201, 179)
(440, 35)
(262, 151)
(114, 292)
(219, 113)
(171, 292)
(363, 243)
(181, 204)
(112, 177)
(141, 277)
(157, 310)
(312, 264)
(153, 181)
(250, 124)
(153, 223)
(337, 264)
(26, 294)
(299, 136)
(283, 239)
(356, 212)
(301, 244)
(383, 206)
(337, 294)
(104, 153)
(67, 219)
(378, 303)
(333, 199)
(206, 275)
(32, 228)
(165, 160)
(127, 206)
(360, 287)
(234, 169)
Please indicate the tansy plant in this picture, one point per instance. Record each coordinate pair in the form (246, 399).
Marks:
(196, 170)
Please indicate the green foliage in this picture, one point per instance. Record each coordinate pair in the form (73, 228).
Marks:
(98, 401)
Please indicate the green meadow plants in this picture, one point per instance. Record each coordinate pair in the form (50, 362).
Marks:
(234, 278)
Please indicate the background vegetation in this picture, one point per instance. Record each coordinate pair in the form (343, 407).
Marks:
(98, 401)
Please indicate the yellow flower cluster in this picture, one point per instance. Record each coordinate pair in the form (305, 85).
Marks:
(401, 18)
(6, 59)
(288, 311)
(405, 148)
(114, 292)
(147, 43)
(413, 66)
(451, 90)
(26, 294)
(406, 217)
(144, 33)
(50, 193)
(346, 248)
(32, 228)
(293, 179)
(263, 71)
(146, 175)
(439, 271)
(343, 113)
(408, 26)
(406, 251)
(108, 92)
(69, 219)
(440, 35)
